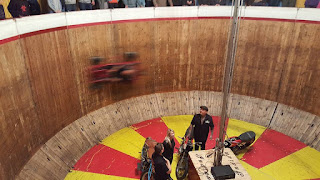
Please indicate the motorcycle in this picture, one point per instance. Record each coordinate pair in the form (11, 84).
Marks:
(145, 166)
(186, 146)
(127, 71)
(237, 143)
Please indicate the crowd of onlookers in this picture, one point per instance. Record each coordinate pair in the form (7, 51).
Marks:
(20, 8)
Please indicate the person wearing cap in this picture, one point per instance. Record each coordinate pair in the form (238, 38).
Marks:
(201, 124)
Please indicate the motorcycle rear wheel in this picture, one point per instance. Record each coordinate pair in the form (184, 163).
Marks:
(235, 149)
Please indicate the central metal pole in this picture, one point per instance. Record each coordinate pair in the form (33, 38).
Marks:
(228, 73)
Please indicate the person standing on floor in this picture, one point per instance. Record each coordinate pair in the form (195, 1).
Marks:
(169, 145)
(201, 124)
(162, 165)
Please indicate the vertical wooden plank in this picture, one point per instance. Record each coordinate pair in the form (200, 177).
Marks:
(51, 73)
(215, 103)
(101, 127)
(85, 42)
(155, 105)
(300, 84)
(161, 103)
(19, 123)
(312, 134)
(261, 54)
(295, 123)
(253, 110)
(63, 151)
(85, 128)
(131, 37)
(183, 98)
(209, 47)
(41, 165)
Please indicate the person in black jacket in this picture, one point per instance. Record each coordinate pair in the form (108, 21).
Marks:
(201, 124)
(169, 145)
(188, 2)
(177, 2)
(2, 13)
(34, 7)
(162, 165)
(219, 2)
(205, 2)
(19, 8)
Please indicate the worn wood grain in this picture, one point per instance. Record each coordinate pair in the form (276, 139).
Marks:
(44, 82)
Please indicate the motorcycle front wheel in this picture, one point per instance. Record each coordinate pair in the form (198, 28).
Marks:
(182, 168)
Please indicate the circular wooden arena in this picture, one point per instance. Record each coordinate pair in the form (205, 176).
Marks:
(51, 122)
(272, 156)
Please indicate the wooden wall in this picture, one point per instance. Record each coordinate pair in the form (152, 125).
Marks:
(61, 152)
(181, 59)
(279, 61)
(19, 126)
(44, 82)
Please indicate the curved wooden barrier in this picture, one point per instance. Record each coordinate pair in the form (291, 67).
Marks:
(61, 152)
(44, 59)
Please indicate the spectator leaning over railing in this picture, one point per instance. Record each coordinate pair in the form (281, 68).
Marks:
(219, 2)
(273, 3)
(2, 13)
(54, 6)
(19, 8)
(188, 2)
(34, 7)
(162, 3)
(149, 3)
(130, 3)
(205, 2)
(177, 2)
(86, 4)
(256, 3)
(63, 5)
(113, 4)
(71, 5)
(311, 3)
(288, 3)
(141, 3)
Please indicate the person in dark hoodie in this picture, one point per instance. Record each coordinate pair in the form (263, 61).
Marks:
(169, 145)
(162, 165)
(205, 2)
(288, 3)
(272, 3)
(188, 2)
(177, 2)
(311, 3)
(34, 7)
(219, 2)
(149, 3)
(19, 8)
(2, 13)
